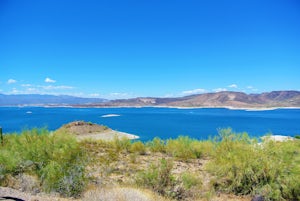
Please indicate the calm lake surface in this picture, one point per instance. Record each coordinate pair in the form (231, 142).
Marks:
(157, 122)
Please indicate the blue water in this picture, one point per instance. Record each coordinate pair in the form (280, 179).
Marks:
(162, 122)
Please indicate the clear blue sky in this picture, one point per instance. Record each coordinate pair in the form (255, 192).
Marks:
(120, 49)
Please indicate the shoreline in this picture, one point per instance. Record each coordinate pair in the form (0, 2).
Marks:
(108, 135)
(158, 106)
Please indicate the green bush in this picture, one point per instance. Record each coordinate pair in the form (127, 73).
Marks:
(157, 177)
(183, 148)
(203, 148)
(138, 147)
(9, 162)
(56, 159)
(157, 145)
(244, 167)
(190, 180)
(122, 144)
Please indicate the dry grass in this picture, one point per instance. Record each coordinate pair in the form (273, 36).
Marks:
(114, 168)
(121, 194)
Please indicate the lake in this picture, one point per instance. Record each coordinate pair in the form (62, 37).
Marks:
(150, 122)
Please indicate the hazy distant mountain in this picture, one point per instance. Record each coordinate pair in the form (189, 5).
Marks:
(219, 99)
(38, 99)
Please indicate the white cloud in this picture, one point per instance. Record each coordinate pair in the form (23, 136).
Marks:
(31, 90)
(169, 95)
(233, 86)
(64, 87)
(11, 81)
(219, 89)
(94, 95)
(15, 91)
(194, 91)
(25, 85)
(251, 88)
(52, 87)
(49, 80)
(119, 95)
(254, 89)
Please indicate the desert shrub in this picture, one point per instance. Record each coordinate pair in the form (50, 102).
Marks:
(158, 177)
(52, 157)
(121, 144)
(157, 145)
(204, 148)
(183, 148)
(68, 181)
(93, 146)
(103, 155)
(243, 167)
(9, 162)
(133, 157)
(190, 180)
(138, 147)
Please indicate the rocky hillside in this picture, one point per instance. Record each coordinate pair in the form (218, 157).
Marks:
(219, 99)
(240, 100)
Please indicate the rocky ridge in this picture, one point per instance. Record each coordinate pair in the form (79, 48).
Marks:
(220, 99)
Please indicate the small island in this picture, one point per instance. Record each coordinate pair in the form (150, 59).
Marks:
(88, 130)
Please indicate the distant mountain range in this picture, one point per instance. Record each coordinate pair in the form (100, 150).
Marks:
(218, 99)
(45, 100)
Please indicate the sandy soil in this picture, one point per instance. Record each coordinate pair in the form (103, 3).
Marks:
(9, 194)
(107, 135)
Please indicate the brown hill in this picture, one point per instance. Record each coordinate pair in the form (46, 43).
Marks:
(83, 128)
(239, 99)
(88, 130)
(219, 99)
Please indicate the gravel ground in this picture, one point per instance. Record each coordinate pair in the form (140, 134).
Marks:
(9, 194)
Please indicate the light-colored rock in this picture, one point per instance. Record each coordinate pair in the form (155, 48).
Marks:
(277, 138)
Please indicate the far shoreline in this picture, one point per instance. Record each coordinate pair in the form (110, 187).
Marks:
(154, 106)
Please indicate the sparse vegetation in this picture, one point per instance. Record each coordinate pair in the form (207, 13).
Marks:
(158, 177)
(184, 148)
(56, 159)
(157, 145)
(180, 169)
(138, 147)
(243, 167)
(190, 180)
(122, 144)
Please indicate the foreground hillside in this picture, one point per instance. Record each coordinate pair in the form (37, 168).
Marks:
(230, 167)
